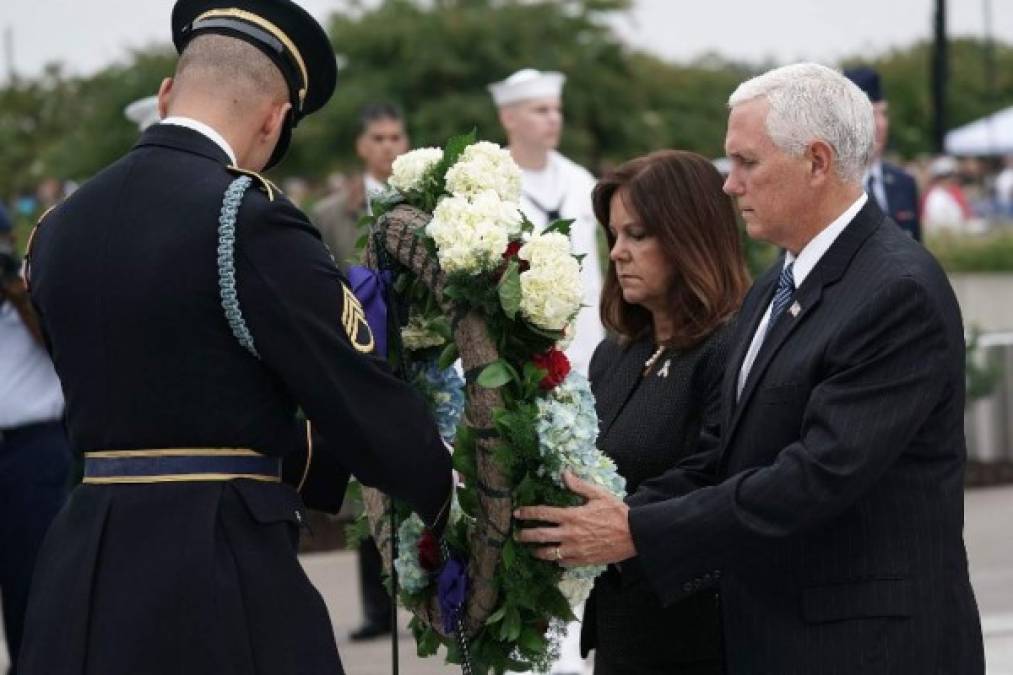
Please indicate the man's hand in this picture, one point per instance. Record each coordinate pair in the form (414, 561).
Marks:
(596, 533)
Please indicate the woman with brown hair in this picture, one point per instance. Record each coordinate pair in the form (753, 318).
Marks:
(676, 277)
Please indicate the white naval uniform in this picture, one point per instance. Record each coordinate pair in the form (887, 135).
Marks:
(565, 186)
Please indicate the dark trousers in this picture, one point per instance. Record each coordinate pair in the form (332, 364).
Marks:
(375, 599)
(34, 462)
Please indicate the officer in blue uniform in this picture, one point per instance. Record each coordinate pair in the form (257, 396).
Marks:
(190, 310)
(894, 189)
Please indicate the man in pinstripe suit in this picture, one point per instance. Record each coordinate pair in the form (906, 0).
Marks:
(826, 502)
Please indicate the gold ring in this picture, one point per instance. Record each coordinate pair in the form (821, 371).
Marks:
(559, 556)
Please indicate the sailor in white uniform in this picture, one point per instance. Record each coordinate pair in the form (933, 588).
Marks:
(553, 187)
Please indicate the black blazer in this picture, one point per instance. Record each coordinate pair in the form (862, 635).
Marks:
(125, 276)
(835, 534)
(647, 425)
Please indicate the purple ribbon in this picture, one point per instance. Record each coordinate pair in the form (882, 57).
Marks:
(369, 286)
(452, 589)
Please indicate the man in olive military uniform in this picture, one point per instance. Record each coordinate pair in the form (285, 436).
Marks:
(187, 326)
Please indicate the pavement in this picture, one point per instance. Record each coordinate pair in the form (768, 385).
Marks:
(988, 535)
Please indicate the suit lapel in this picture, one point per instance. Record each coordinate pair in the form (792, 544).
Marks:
(827, 271)
(624, 377)
(806, 298)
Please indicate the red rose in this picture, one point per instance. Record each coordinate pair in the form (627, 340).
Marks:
(429, 552)
(509, 254)
(556, 364)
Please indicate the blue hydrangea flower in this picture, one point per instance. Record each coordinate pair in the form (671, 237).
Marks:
(567, 427)
(411, 576)
(444, 389)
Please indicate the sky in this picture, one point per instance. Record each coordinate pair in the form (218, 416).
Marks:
(87, 35)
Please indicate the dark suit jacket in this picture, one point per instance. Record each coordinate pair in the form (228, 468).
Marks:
(835, 534)
(902, 199)
(125, 276)
(646, 425)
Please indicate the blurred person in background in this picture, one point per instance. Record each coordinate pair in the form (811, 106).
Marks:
(945, 207)
(1004, 188)
(893, 188)
(382, 137)
(552, 186)
(34, 453)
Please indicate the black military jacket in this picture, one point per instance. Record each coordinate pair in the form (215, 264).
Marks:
(203, 577)
(125, 276)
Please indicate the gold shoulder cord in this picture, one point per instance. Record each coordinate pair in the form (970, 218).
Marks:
(266, 185)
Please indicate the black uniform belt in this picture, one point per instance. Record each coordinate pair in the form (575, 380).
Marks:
(169, 465)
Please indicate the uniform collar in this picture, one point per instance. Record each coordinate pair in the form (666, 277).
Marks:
(185, 140)
(205, 130)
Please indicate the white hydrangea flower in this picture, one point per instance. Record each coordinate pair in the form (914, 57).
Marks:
(576, 589)
(551, 289)
(410, 170)
(472, 234)
(485, 166)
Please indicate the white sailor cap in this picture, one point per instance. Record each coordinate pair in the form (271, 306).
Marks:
(527, 84)
(143, 112)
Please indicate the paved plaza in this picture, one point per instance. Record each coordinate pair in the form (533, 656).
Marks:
(990, 548)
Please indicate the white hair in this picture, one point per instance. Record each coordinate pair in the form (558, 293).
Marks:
(809, 102)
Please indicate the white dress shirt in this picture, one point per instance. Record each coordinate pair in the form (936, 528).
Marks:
(804, 264)
(204, 130)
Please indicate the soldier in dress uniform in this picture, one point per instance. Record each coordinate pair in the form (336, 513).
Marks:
(190, 310)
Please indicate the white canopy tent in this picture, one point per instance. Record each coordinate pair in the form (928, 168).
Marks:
(992, 135)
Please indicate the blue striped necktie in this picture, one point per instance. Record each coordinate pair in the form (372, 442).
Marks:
(782, 298)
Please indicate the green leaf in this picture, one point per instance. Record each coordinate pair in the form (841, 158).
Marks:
(360, 243)
(555, 603)
(509, 289)
(531, 641)
(447, 356)
(495, 375)
(510, 629)
(428, 641)
(509, 554)
(562, 226)
(441, 326)
(464, 461)
(496, 616)
(469, 501)
(456, 146)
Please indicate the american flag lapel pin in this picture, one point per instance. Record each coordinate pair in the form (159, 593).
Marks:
(795, 309)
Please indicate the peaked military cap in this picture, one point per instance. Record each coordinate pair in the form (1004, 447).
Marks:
(284, 31)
